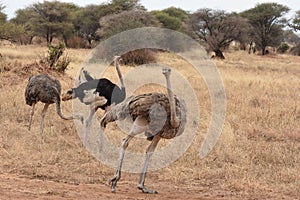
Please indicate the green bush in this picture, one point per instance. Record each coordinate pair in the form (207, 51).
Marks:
(283, 48)
(55, 61)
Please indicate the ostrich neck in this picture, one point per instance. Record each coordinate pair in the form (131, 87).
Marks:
(174, 118)
(119, 73)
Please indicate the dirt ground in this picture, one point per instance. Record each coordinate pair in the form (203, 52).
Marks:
(20, 187)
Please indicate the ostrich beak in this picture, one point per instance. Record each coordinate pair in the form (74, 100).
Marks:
(117, 57)
(67, 95)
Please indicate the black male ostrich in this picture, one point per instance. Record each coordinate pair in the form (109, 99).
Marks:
(157, 115)
(98, 93)
(47, 90)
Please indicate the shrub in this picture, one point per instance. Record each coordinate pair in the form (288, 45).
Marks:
(55, 61)
(296, 50)
(139, 57)
(3, 64)
(283, 48)
(76, 42)
(62, 64)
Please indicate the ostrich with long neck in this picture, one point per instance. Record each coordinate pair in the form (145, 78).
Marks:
(98, 93)
(156, 114)
(47, 90)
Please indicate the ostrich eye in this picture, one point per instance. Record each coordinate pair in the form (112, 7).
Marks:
(166, 70)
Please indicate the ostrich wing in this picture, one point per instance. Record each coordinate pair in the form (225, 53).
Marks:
(152, 106)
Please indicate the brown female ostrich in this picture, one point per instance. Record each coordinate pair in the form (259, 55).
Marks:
(47, 90)
(156, 114)
(103, 90)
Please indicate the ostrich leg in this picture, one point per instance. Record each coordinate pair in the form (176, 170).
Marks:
(43, 116)
(116, 178)
(139, 126)
(149, 153)
(31, 114)
(92, 112)
(95, 103)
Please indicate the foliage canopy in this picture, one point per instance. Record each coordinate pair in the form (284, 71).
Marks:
(267, 23)
(218, 29)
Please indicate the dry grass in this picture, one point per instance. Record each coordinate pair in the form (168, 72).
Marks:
(256, 157)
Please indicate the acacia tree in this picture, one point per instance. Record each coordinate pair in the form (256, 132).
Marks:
(291, 37)
(8, 30)
(52, 19)
(296, 26)
(87, 21)
(113, 24)
(87, 18)
(218, 29)
(172, 18)
(2, 14)
(166, 20)
(296, 21)
(116, 23)
(267, 22)
(22, 19)
(2, 22)
(118, 6)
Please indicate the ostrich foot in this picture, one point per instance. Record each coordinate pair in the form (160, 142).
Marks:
(113, 183)
(145, 190)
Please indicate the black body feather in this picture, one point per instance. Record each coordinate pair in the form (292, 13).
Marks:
(103, 87)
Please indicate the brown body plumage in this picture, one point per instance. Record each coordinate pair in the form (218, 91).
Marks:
(157, 115)
(47, 90)
(155, 108)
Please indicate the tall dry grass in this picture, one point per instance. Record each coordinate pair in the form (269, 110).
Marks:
(256, 157)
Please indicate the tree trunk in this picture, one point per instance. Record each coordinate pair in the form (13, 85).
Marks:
(89, 41)
(48, 39)
(250, 47)
(263, 51)
(219, 54)
(65, 38)
(30, 40)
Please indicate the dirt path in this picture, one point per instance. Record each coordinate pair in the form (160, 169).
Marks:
(16, 187)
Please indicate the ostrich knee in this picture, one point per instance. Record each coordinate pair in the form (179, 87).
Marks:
(43, 116)
(31, 115)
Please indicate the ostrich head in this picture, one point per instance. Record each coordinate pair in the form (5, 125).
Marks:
(117, 58)
(166, 71)
(68, 95)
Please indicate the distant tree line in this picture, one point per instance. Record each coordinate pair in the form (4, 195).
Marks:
(263, 25)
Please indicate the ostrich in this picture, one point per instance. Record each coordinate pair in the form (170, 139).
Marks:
(157, 115)
(103, 90)
(47, 90)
